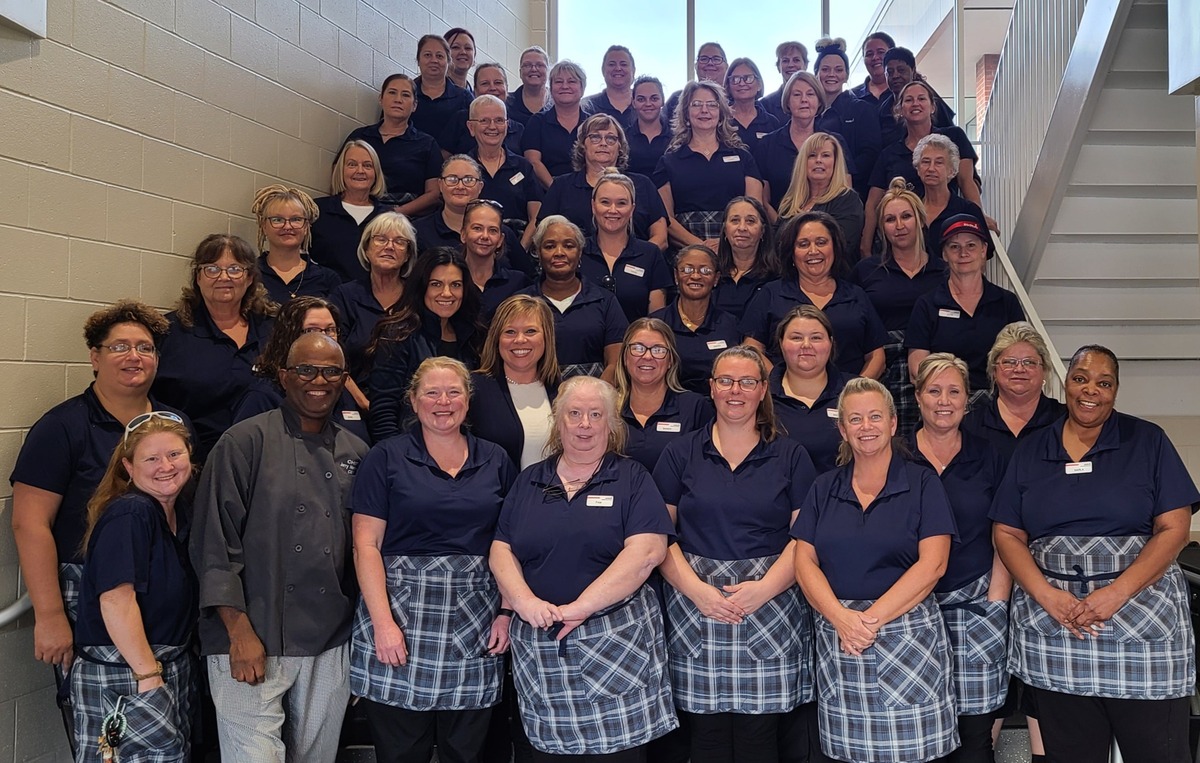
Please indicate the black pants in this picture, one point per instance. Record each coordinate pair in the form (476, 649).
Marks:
(800, 736)
(506, 741)
(408, 736)
(673, 747)
(1081, 729)
(632, 755)
(735, 738)
(975, 731)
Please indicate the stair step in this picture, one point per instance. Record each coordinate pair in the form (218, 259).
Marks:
(1118, 259)
(1115, 304)
(1089, 215)
(1136, 165)
(1120, 109)
(1141, 50)
(1158, 387)
(1178, 341)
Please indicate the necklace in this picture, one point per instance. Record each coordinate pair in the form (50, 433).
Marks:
(516, 383)
(693, 325)
(299, 283)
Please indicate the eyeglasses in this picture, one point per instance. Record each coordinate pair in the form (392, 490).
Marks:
(490, 121)
(330, 331)
(468, 181)
(597, 139)
(657, 351)
(294, 222)
(381, 240)
(142, 418)
(710, 59)
(747, 383)
(701, 105)
(214, 271)
(308, 372)
(743, 79)
(1011, 364)
(687, 270)
(532, 65)
(145, 349)
(484, 203)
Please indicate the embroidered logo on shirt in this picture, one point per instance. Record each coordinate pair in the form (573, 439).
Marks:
(350, 465)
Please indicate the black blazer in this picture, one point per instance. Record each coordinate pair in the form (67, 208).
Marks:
(493, 417)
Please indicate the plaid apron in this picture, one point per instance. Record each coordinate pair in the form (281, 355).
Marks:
(978, 632)
(703, 224)
(159, 721)
(895, 703)
(1145, 651)
(896, 379)
(600, 690)
(445, 605)
(763, 665)
(396, 199)
(581, 369)
(70, 578)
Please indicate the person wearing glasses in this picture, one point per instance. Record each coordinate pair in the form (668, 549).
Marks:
(430, 628)
(872, 540)
(650, 133)
(532, 96)
(507, 175)
(458, 137)
(578, 536)
(744, 84)
(551, 134)
(711, 66)
(358, 185)
(408, 157)
(655, 408)
(616, 99)
(460, 183)
(270, 543)
(218, 328)
(705, 166)
(740, 641)
(63, 458)
(484, 250)
(745, 255)
(439, 99)
(285, 216)
(137, 601)
(702, 330)
(302, 315)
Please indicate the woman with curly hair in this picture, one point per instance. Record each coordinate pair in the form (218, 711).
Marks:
(285, 217)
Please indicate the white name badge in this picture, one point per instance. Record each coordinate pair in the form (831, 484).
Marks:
(600, 501)
(831, 413)
(634, 270)
(517, 178)
(948, 313)
(733, 158)
(351, 415)
(1082, 467)
(717, 344)
(760, 135)
(669, 426)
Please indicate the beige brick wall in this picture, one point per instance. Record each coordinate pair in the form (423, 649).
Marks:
(136, 128)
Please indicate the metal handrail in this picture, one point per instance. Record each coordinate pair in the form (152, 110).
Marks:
(15, 611)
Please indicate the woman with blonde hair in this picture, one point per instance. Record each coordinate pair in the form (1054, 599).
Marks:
(285, 217)
(821, 183)
(356, 187)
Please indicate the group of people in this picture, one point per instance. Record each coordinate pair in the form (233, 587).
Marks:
(596, 463)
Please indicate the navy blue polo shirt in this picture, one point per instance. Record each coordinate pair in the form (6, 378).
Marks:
(732, 296)
(406, 161)
(863, 93)
(1130, 476)
(455, 138)
(563, 546)
(503, 284)
(599, 103)
(896, 160)
(776, 155)
(705, 185)
(359, 311)
(864, 552)
(773, 103)
(857, 123)
(644, 152)
(433, 114)
(763, 124)
(698, 349)
(313, 281)
(571, 196)
(67, 453)
(428, 512)
(815, 427)
(336, 235)
(680, 414)
(743, 513)
(514, 185)
(939, 324)
(892, 292)
(857, 329)
(639, 270)
(432, 231)
(204, 373)
(971, 480)
(984, 420)
(132, 543)
(265, 395)
(593, 321)
(544, 133)
(516, 106)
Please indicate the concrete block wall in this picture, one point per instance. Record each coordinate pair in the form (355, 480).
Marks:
(135, 128)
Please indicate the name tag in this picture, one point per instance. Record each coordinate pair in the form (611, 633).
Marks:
(351, 415)
(517, 178)
(669, 426)
(729, 159)
(831, 413)
(948, 313)
(600, 501)
(1082, 467)
(634, 270)
(760, 135)
(717, 344)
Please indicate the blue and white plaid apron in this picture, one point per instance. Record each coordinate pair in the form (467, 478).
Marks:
(445, 605)
(159, 721)
(1145, 651)
(70, 578)
(978, 632)
(600, 690)
(895, 702)
(763, 665)
(896, 378)
(581, 369)
(703, 224)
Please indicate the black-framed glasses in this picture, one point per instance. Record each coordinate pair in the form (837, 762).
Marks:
(467, 181)
(1012, 364)
(295, 222)
(329, 331)
(747, 383)
(657, 351)
(743, 79)
(145, 349)
(710, 59)
(214, 272)
(309, 372)
(142, 418)
(704, 270)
